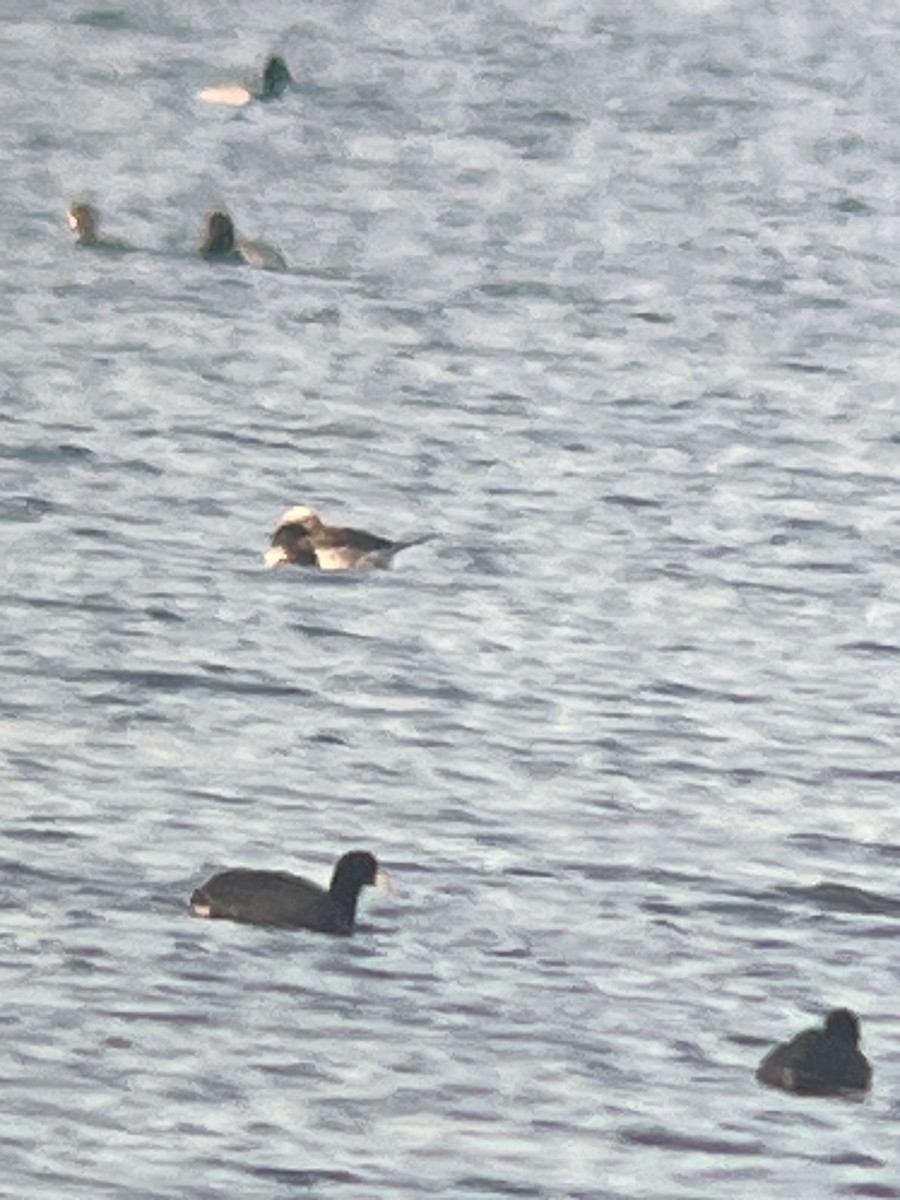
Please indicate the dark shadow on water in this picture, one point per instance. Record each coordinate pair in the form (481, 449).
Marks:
(174, 681)
(838, 897)
(668, 1140)
(104, 18)
(305, 1177)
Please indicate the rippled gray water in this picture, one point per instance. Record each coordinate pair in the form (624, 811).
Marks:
(604, 296)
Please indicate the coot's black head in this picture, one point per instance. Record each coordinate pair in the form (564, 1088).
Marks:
(83, 220)
(291, 540)
(219, 234)
(276, 77)
(843, 1025)
(353, 871)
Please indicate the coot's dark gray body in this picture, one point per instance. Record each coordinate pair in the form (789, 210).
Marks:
(820, 1062)
(280, 898)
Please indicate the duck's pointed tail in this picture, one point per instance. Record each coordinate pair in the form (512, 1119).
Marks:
(385, 556)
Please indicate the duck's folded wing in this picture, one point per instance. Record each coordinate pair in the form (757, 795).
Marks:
(330, 538)
(261, 255)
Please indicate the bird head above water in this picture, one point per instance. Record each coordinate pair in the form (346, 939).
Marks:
(276, 78)
(219, 237)
(843, 1026)
(303, 517)
(291, 539)
(358, 869)
(84, 221)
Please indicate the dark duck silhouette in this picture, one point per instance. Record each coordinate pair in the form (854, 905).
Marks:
(304, 539)
(286, 900)
(276, 78)
(221, 244)
(820, 1062)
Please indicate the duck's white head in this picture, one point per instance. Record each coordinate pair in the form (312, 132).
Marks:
(300, 514)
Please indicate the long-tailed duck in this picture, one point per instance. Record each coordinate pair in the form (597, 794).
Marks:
(302, 537)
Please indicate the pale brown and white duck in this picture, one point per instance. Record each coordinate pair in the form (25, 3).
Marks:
(302, 537)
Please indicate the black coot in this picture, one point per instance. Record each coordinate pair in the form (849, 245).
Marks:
(280, 898)
(820, 1062)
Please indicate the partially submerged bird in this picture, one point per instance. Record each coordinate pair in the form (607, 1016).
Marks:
(303, 538)
(280, 898)
(276, 79)
(820, 1062)
(84, 221)
(221, 244)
